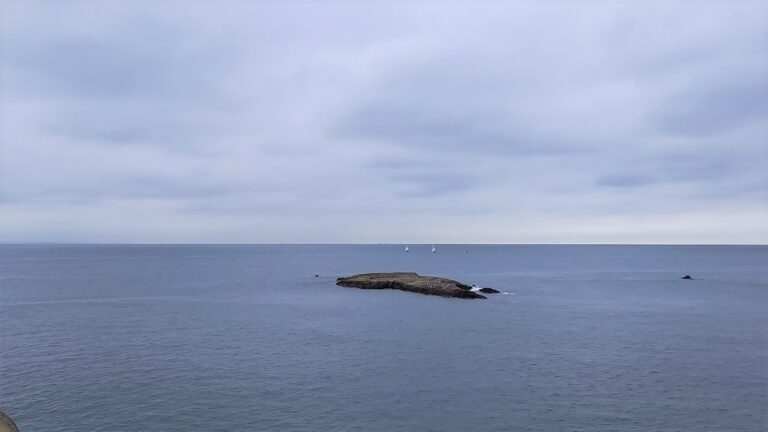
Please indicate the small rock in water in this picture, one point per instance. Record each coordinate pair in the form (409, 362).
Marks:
(7, 424)
(489, 290)
(687, 277)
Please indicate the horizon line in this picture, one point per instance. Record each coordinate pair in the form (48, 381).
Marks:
(361, 244)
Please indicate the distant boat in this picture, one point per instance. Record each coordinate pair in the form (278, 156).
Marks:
(434, 249)
(406, 248)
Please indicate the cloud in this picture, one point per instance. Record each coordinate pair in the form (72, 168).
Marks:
(110, 54)
(336, 122)
(672, 168)
(130, 78)
(411, 124)
(720, 105)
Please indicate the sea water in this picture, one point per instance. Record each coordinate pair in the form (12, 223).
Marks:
(259, 338)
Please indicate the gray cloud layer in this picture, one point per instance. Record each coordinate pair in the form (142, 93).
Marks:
(336, 122)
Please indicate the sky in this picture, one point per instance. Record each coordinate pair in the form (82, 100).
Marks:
(392, 122)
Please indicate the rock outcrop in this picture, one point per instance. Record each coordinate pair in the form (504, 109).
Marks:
(489, 291)
(7, 424)
(411, 282)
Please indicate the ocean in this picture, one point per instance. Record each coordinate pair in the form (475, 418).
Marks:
(247, 338)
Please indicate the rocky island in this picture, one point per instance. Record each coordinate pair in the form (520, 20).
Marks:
(411, 282)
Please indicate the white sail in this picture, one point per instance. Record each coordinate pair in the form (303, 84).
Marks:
(406, 248)
(434, 249)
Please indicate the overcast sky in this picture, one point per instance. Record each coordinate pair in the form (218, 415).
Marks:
(440, 122)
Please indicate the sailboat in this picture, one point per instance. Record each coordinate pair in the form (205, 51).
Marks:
(406, 248)
(434, 249)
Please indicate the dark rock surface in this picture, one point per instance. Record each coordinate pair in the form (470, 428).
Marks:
(686, 277)
(7, 424)
(411, 282)
(489, 291)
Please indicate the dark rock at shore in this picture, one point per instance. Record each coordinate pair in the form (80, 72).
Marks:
(411, 282)
(7, 424)
(686, 277)
(489, 291)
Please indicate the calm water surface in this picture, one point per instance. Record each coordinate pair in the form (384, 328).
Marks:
(246, 338)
